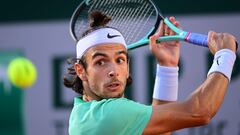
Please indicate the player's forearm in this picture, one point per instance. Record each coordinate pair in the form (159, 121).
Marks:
(161, 102)
(164, 94)
(165, 133)
(209, 96)
(207, 99)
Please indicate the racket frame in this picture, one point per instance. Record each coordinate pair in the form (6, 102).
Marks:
(74, 18)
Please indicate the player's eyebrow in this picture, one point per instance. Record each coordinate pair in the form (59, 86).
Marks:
(98, 54)
(122, 52)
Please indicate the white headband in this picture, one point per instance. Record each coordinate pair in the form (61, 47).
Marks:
(100, 36)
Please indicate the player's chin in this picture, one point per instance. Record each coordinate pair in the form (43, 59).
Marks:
(117, 93)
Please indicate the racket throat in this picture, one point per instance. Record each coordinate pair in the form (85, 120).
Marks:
(187, 36)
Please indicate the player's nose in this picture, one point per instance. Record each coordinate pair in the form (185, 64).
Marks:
(112, 73)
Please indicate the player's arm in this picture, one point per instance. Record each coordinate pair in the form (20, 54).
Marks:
(203, 103)
(163, 95)
(161, 102)
(196, 111)
(167, 55)
(167, 60)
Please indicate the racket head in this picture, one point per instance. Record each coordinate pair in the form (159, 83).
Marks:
(137, 20)
(79, 18)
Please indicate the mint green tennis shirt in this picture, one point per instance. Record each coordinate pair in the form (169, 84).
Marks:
(116, 116)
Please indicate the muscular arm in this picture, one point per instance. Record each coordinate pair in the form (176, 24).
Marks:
(161, 102)
(197, 110)
(167, 54)
(205, 101)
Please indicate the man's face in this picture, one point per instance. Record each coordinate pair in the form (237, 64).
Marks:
(107, 71)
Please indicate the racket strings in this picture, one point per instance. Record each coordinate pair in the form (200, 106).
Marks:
(134, 23)
(137, 27)
(115, 14)
(134, 18)
(147, 19)
(141, 18)
(128, 21)
(92, 5)
(119, 15)
(119, 11)
(81, 24)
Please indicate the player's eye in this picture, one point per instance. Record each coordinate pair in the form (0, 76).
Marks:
(120, 60)
(100, 63)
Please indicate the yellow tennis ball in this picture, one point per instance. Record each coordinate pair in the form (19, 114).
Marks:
(21, 72)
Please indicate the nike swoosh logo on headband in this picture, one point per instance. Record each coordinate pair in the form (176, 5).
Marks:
(112, 36)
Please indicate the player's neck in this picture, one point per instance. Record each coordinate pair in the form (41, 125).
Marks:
(88, 96)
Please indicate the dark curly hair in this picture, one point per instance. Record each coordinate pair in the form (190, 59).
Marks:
(71, 80)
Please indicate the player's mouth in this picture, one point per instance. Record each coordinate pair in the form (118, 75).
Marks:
(113, 85)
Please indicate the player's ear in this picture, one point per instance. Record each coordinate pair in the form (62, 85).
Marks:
(80, 70)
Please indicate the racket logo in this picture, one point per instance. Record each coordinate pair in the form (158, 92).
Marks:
(112, 36)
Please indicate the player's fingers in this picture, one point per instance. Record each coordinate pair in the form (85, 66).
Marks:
(160, 31)
(177, 24)
(152, 40)
(171, 32)
(210, 36)
(153, 45)
(172, 20)
(211, 41)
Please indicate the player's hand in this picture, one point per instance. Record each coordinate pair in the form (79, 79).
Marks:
(167, 53)
(218, 41)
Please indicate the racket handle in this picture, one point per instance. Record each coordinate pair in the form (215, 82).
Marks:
(197, 39)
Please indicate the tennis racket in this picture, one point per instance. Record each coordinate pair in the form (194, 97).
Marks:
(137, 20)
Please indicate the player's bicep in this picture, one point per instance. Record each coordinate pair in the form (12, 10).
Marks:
(171, 117)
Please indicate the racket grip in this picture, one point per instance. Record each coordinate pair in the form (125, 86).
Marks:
(197, 39)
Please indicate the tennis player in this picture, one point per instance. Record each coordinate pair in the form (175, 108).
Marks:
(100, 74)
